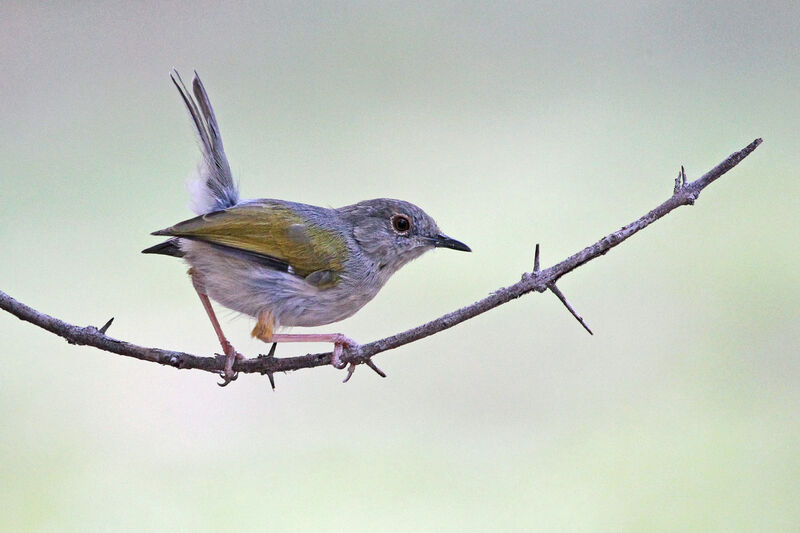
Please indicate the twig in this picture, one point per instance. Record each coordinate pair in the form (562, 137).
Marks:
(539, 281)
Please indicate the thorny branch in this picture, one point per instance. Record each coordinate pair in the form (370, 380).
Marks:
(539, 280)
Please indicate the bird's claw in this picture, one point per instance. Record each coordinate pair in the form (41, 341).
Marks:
(227, 377)
(342, 343)
(339, 345)
(227, 373)
(350, 369)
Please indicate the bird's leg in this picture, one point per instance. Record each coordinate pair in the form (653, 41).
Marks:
(265, 328)
(339, 343)
(231, 355)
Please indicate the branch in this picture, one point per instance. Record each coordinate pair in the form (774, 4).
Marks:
(538, 281)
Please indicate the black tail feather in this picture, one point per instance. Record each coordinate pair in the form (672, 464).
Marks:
(214, 187)
(168, 247)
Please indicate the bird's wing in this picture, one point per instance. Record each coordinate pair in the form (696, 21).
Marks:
(271, 231)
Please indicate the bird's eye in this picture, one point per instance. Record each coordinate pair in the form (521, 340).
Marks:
(401, 223)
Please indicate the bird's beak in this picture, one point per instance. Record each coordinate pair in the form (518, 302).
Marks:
(443, 241)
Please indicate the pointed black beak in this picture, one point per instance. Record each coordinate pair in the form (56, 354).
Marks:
(443, 241)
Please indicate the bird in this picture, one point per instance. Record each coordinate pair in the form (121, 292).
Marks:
(286, 263)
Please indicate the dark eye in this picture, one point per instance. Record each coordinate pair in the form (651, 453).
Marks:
(401, 223)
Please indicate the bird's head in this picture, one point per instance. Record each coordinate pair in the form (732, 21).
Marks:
(393, 232)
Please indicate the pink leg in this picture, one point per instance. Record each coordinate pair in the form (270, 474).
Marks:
(339, 342)
(230, 354)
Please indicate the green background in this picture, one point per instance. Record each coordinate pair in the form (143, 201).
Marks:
(511, 124)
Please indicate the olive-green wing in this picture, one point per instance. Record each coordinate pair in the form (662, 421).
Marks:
(271, 230)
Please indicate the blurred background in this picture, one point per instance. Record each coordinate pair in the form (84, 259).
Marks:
(512, 124)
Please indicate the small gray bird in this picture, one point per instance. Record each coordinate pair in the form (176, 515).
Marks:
(285, 263)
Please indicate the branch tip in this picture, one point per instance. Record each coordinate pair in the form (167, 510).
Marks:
(697, 186)
(536, 259)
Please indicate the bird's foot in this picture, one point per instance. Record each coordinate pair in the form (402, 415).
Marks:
(231, 356)
(340, 343)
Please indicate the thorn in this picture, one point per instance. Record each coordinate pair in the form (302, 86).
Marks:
(374, 367)
(270, 355)
(680, 181)
(536, 259)
(564, 301)
(105, 327)
(350, 369)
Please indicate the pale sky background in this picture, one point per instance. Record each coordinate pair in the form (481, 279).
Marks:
(510, 123)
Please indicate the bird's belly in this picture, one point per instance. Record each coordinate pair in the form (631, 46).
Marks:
(250, 288)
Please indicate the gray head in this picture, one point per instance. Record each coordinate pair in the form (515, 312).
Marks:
(393, 232)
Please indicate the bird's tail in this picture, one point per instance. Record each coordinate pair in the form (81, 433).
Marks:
(169, 247)
(213, 187)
